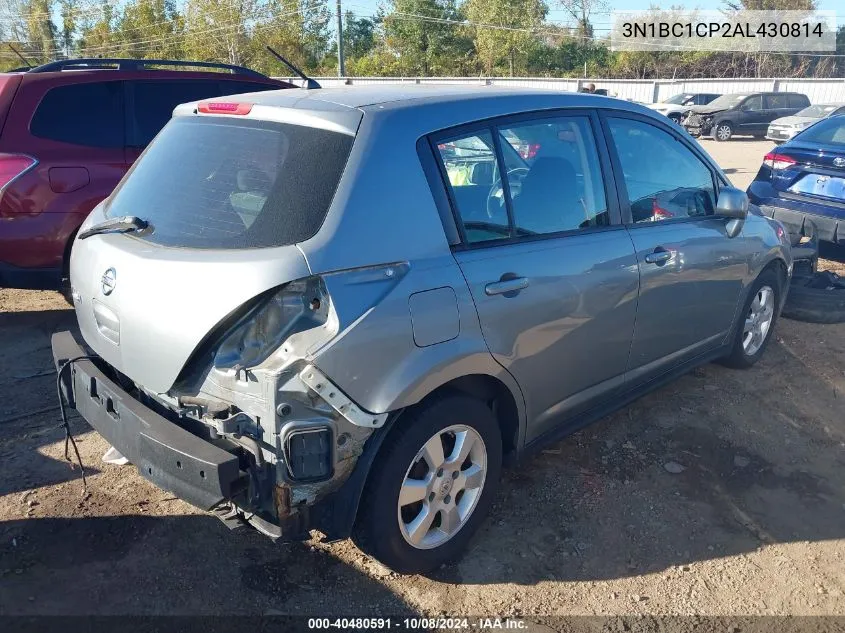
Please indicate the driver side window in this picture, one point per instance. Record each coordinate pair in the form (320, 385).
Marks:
(753, 104)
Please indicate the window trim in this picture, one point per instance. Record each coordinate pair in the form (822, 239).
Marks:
(624, 202)
(431, 169)
(607, 180)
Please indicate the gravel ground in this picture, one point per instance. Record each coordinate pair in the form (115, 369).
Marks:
(720, 494)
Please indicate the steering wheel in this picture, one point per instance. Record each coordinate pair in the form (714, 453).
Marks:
(496, 195)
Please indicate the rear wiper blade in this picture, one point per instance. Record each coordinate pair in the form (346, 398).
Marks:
(125, 224)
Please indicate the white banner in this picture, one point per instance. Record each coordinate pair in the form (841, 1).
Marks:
(746, 31)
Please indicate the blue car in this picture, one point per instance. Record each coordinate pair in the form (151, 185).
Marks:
(804, 180)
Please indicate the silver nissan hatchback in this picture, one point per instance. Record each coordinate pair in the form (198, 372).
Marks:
(343, 309)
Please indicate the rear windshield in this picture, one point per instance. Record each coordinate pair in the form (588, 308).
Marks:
(829, 131)
(228, 183)
(817, 111)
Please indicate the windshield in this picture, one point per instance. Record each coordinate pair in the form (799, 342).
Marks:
(679, 99)
(726, 101)
(233, 183)
(817, 111)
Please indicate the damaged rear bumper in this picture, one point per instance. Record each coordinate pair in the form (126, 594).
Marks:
(164, 453)
(217, 478)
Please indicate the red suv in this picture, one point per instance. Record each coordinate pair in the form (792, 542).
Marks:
(69, 130)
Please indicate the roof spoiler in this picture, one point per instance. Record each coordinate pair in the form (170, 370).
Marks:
(307, 82)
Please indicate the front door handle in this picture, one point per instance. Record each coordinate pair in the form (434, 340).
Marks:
(506, 286)
(660, 256)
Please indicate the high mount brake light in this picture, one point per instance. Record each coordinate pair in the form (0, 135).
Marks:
(12, 166)
(224, 107)
(778, 161)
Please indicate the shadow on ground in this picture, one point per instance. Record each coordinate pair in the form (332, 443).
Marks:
(175, 565)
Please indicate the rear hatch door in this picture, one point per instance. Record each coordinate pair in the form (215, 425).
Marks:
(226, 198)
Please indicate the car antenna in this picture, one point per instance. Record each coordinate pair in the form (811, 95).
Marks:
(309, 84)
(16, 52)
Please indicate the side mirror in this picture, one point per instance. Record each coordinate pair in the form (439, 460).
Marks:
(733, 205)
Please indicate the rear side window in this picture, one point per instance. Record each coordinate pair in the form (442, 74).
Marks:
(230, 183)
(239, 87)
(798, 101)
(560, 188)
(552, 172)
(776, 102)
(89, 114)
(153, 103)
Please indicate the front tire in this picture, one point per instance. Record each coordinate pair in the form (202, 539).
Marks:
(723, 131)
(432, 485)
(759, 315)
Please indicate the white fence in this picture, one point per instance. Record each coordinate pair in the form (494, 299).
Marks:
(646, 91)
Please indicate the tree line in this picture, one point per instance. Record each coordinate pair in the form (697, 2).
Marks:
(407, 38)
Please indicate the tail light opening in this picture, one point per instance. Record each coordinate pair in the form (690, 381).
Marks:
(774, 160)
(294, 308)
(13, 166)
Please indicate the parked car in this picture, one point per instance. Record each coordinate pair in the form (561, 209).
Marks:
(69, 130)
(675, 107)
(743, 114)
(785, 128)
(276, 331)
(803, 181)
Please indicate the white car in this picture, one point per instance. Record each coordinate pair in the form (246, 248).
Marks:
(783, 129)
(677, 106)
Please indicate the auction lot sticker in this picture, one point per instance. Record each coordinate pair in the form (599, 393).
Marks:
(745, 31)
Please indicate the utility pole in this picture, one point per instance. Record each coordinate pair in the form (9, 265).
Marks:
(341, 70)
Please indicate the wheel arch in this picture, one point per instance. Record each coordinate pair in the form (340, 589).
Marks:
(498, 396)
(336, 517)
(721, 121)
(66, 255)
(778, 266)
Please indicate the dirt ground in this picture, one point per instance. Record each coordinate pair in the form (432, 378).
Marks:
(750, 520)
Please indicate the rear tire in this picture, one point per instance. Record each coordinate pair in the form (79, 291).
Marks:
(64, 282)
(65, 291)
(444, 503)
(756, 323)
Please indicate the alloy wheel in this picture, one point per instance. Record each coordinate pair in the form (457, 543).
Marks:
(758, 321)
(723, 132)
(442, 486)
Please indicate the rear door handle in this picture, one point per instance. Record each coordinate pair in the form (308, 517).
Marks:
(505, 286)
(659, 256)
